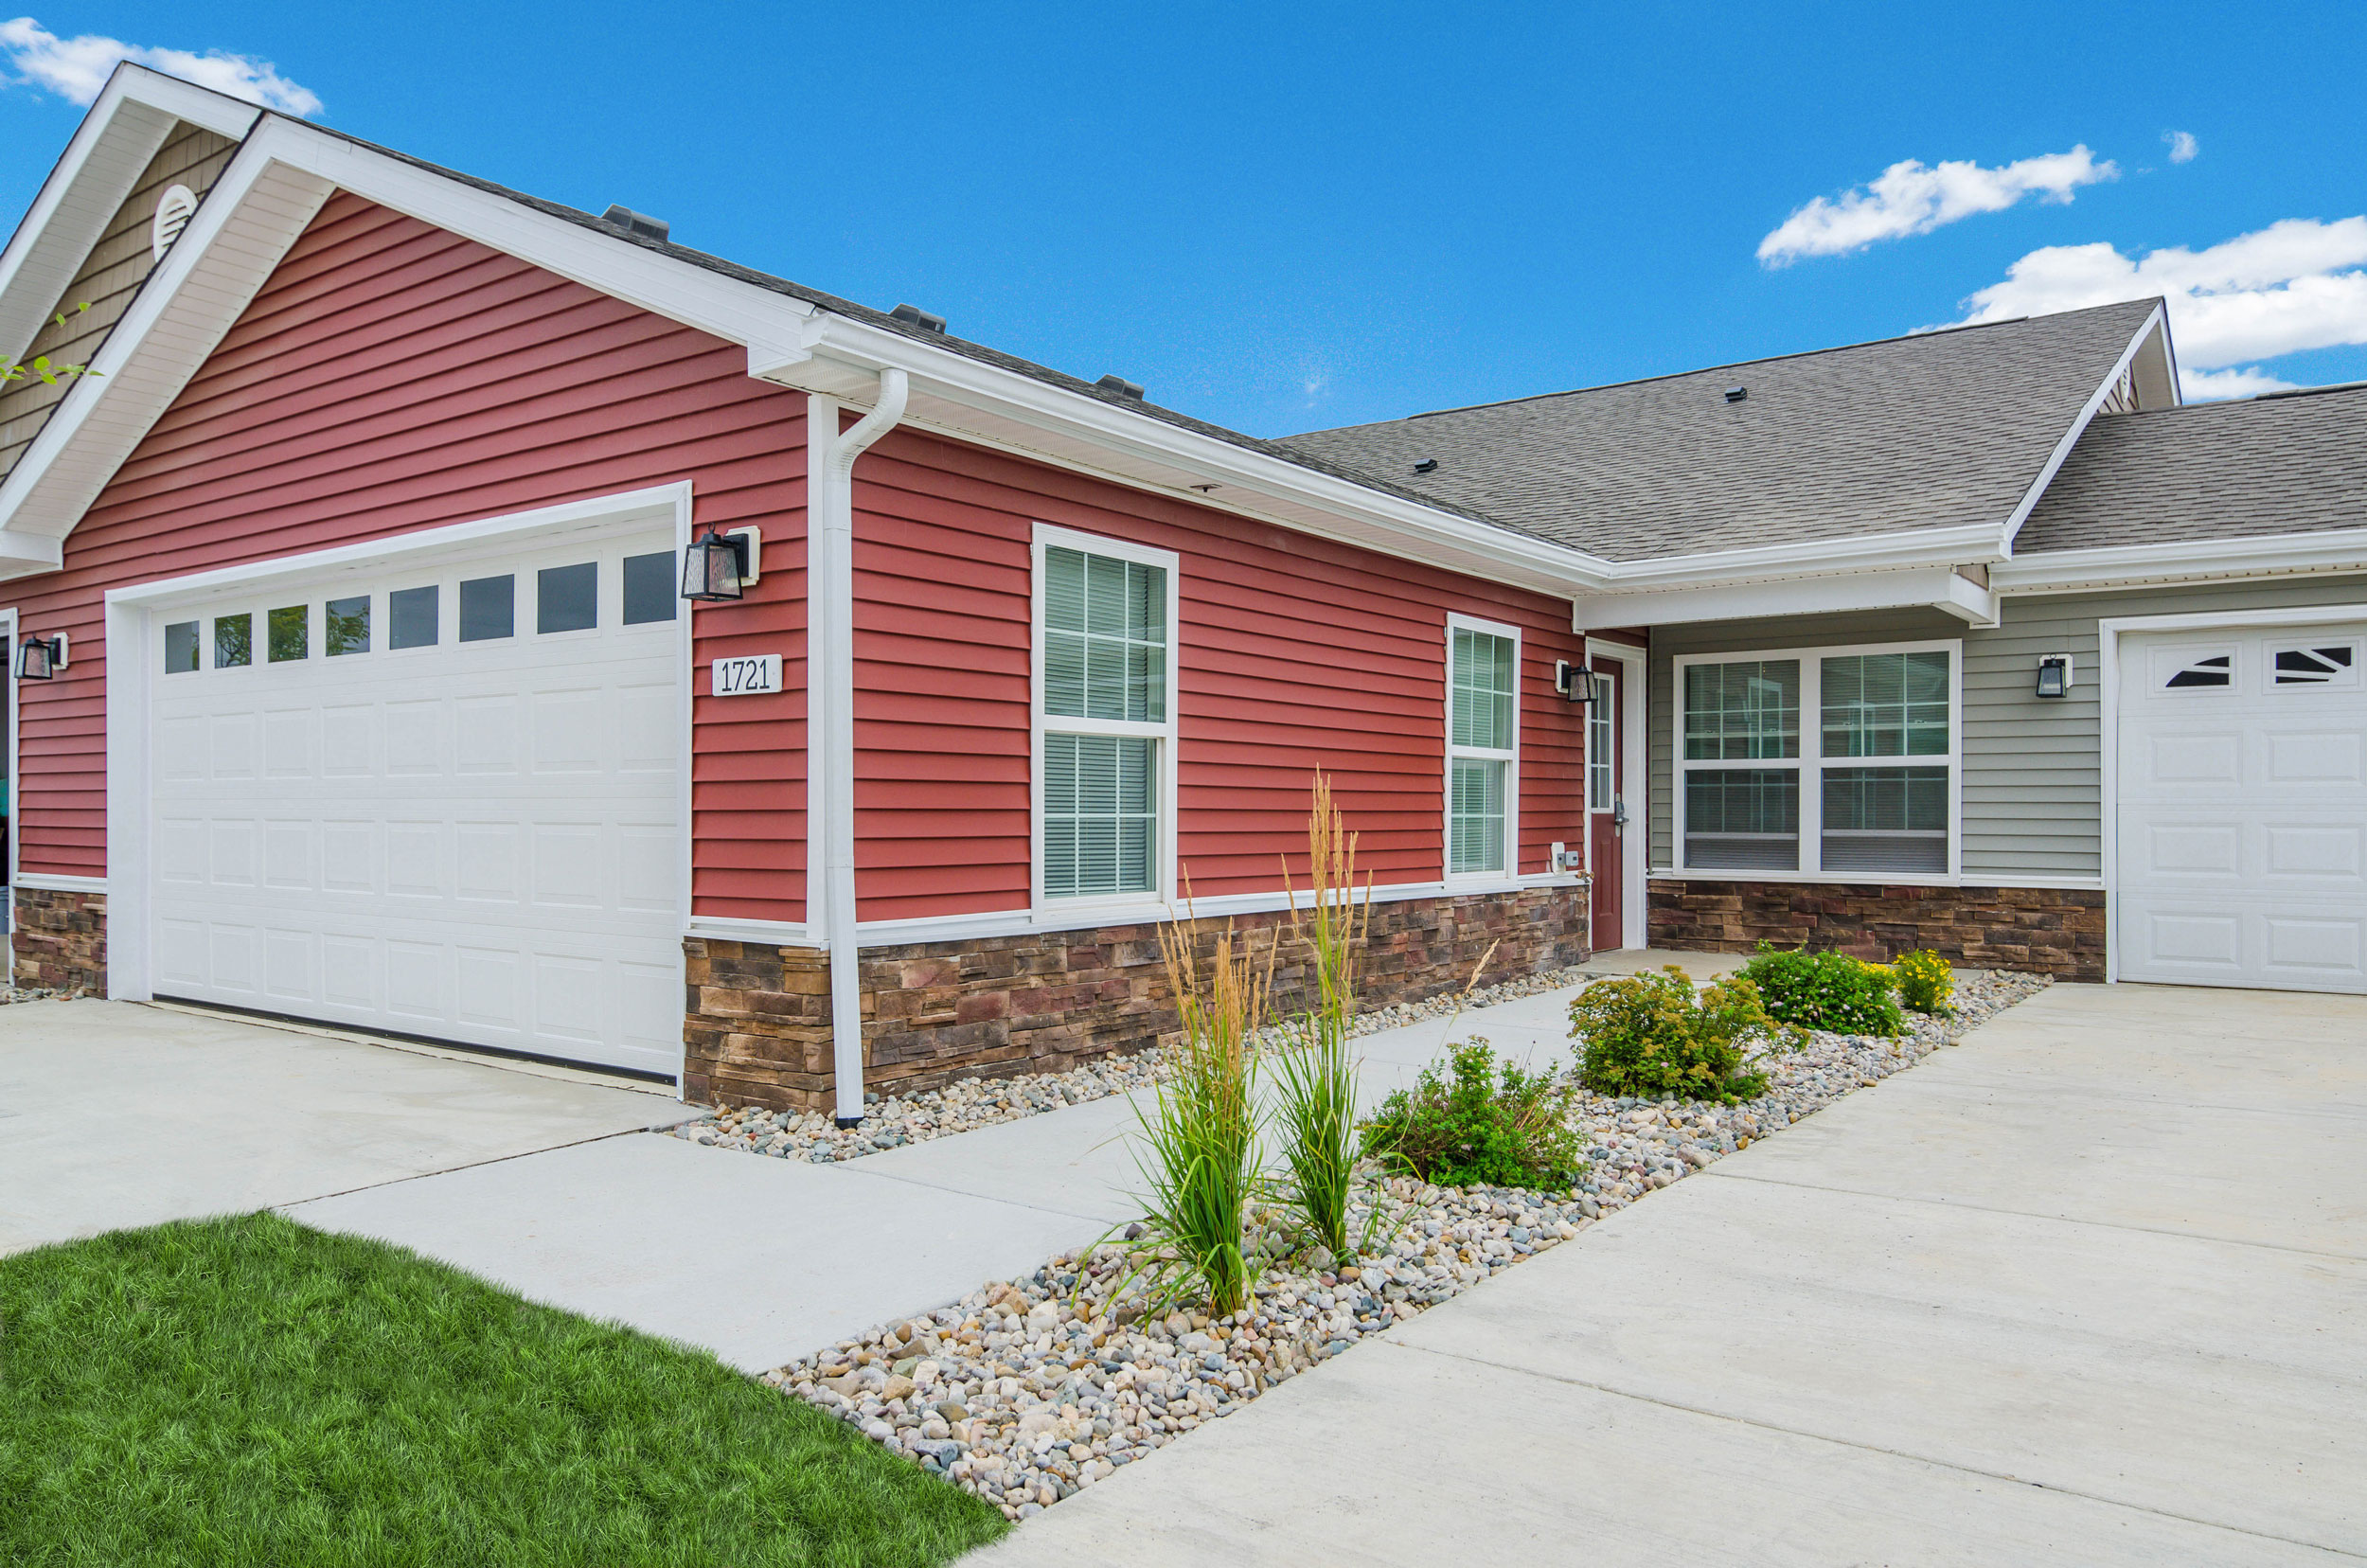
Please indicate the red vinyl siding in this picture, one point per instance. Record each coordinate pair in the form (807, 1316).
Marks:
(390, 377)
(1294, 653)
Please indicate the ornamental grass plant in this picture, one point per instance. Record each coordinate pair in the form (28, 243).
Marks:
(1316, 1078)
(1201, 1133)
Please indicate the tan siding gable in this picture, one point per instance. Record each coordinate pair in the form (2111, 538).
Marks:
(108, 281)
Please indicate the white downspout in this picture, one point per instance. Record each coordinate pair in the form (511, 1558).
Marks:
(830, 609)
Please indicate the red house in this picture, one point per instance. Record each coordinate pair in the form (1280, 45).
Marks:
(378, 703)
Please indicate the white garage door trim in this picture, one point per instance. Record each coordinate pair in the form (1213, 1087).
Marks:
(129, 687)
(2110, 633)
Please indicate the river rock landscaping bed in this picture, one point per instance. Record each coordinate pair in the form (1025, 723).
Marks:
(1027, 1390)
(972, 1103)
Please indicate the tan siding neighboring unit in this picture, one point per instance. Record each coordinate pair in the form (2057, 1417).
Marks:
(2034, 777)
(108, 281)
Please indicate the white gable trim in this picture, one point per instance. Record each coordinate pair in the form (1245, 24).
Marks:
(2156, 322)
(113, 145)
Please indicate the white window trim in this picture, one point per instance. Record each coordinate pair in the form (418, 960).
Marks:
(1447, 872)
(1811, 762)
(1048, 536)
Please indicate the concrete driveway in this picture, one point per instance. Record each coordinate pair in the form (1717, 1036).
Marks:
(115, 1115)
(2091, 1288)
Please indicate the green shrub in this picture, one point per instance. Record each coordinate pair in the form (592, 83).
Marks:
(1647, 1035)
(1494, 1125)
(1824, 990)
(1925, 981)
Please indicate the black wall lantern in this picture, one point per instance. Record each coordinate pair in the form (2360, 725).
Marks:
(716, 567)
(2055, 675)
(41, 658)
(1579, 684)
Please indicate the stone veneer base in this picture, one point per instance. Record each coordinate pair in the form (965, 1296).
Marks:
(60, 940)
(2038, 930)
(759, 1024)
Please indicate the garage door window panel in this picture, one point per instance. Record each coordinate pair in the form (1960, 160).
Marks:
(567, 598)
(180, 648)
(488, 608)
(290, 633)
(412, 618)
(234, 641)
(2316, 665)
(649, 588)
(345, 626)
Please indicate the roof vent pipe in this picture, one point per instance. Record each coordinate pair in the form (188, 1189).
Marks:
(833, 511)
(913, 315)
(639, 224)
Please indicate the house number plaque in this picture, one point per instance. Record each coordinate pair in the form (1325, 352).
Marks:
(748, 676)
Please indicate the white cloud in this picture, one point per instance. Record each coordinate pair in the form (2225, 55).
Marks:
(77, 68)
(1912, 198)
(2182, 146)
(2243, 382)
(2297, 285)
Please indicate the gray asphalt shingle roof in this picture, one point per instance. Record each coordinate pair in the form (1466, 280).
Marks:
(2273, 465)
(1929, 431)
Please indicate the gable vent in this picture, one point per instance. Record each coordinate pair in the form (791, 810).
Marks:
(174, 211)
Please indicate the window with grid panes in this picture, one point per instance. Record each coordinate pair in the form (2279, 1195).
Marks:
(1481, 690)
(1105, 709)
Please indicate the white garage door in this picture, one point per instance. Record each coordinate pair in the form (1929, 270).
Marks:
(440, 800)
(2242, 826)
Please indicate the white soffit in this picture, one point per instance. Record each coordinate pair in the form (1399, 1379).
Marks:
(1940, 588)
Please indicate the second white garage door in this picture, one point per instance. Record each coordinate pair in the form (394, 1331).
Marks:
(2242, 807)
(441, 800)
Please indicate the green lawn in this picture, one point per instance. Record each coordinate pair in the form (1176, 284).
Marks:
(248, 1392)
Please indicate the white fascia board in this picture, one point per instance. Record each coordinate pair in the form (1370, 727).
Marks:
(2184, 561)
(275, 186)
(1928, 587)
(2156, 322)
(841, 357)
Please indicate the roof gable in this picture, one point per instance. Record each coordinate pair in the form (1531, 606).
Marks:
(117, 262)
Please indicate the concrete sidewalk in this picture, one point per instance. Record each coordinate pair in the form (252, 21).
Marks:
(2089, 1288)
(116, 1114)
(761, 1260)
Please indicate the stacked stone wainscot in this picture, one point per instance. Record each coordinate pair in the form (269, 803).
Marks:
(759, 1024)
(2037, 930)
(60, 940)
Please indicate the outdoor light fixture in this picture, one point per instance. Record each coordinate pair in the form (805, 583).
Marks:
(1577, 685)
(2054, 674)
(715, 567)
(40, 659)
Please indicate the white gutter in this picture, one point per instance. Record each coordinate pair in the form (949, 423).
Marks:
(831, 600)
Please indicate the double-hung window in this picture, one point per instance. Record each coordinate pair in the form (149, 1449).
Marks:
(1105, 614)
(1482, 747)
(1839, 761)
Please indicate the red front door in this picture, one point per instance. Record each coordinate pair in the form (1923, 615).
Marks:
(1606, 811)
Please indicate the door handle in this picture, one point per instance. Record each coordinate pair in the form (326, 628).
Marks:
(1619, 811)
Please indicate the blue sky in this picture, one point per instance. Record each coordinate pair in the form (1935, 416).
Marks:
(1289, 218)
